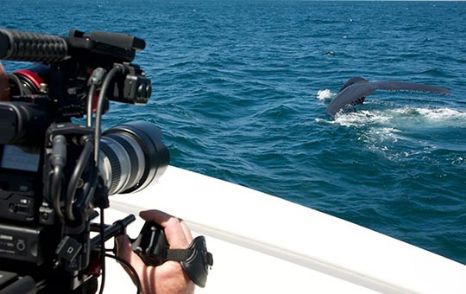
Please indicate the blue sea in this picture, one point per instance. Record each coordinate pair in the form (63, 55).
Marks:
(241, 88)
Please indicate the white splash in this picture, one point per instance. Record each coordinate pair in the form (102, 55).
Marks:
(403, 118)
(325, 94)
(441, 114)
(362, 117)
(383, 129)
(378, 135)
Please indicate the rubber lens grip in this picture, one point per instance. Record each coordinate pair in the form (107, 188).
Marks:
(26, 46)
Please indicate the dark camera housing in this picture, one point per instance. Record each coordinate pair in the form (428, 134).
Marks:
(55, 172)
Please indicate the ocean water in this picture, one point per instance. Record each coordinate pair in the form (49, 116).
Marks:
(241, 87)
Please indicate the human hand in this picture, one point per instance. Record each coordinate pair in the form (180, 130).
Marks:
(4, 85)
(169, 277)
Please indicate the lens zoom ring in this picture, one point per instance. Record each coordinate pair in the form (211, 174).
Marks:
(133, 179)
(115, 165)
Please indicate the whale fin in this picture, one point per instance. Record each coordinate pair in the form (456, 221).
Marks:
(405, 86)
(353, 81)
(356, 89)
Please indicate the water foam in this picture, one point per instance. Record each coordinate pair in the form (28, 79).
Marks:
(389, 132)
(403, 117)
(324, 95)
(435, 114)
(363, 118)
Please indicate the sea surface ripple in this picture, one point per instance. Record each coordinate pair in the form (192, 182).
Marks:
(241, 87)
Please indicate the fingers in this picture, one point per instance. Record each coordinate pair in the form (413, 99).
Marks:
(187, 231)
(169, 275)
(177, 232)
(125, 252)
(145, 274)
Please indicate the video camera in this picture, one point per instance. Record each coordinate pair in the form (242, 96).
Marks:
(55, 173)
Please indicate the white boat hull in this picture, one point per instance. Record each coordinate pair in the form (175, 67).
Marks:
(264, 244)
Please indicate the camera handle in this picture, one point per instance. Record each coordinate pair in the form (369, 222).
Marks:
(110, 231)
(152, 247)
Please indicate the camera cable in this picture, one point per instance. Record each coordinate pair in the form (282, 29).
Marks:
(113, 73)
(117, 69)
(102, 250)
(81, 164)
(95, 80)
(134, 274)
(58, 161)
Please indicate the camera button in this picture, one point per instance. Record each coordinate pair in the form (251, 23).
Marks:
(21, 245)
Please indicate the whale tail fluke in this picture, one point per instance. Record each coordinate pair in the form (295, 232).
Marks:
(405, 86)
(353, 81)
(356, 89)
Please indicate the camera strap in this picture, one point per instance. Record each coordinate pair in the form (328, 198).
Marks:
(152, 247)
(195, 260)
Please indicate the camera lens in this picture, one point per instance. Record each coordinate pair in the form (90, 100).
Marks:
(132, 156)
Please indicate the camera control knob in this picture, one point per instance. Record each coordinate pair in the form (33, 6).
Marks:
(21, 245)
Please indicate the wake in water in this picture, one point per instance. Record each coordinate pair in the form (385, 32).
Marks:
(404, 118)
(403, 132)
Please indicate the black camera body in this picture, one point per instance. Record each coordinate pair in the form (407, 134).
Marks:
(54, 173)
